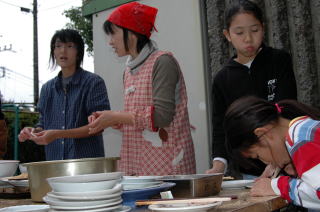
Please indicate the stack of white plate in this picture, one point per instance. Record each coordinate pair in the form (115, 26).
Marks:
(140, 182)
(92, 193)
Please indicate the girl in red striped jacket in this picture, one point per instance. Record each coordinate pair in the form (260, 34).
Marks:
(285, 135)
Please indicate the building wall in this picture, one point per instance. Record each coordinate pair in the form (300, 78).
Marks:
(293, 25)
(179, 31)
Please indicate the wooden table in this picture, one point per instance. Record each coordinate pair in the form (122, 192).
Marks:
(244, 203)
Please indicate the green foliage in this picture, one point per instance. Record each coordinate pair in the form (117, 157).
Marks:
(82, 25)
(29, 151)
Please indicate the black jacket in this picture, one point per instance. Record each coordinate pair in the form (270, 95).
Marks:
(270, 77)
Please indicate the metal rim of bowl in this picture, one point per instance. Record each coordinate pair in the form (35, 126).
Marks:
(68, 161)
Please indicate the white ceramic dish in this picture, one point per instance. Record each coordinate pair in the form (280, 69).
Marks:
(117, 208)
(22, 168)
(8, 167)
(85, 186)
(116, 189)
(183, 207)
(86, 178)
(106, 206)
(16, 183)
(92, 197)
(26, 208)
(236, 184)
(130, 186)
(58, 202)
(139, 179)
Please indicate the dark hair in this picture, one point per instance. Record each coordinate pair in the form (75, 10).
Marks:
(142, 39)
(242, 6)
(67, 35)
(248, 113)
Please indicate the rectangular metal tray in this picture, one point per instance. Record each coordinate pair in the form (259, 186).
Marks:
(196, 185)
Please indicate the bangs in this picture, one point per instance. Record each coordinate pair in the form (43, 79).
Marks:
(108, 27)
(64, 37)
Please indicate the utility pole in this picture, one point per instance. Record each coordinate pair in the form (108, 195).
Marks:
(35, 53)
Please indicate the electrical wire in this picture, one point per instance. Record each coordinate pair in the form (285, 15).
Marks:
(10, 4)
(60, 5)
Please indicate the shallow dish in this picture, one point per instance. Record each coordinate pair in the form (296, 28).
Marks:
(86, 178)
(183, 207)
(79, 198)
(116, 189)
(26, 208)
(139, 179)
(16, 183)
(131, 186)
(80, 187)
(57, 202)
(106, 206)
(117, 209)
(236, 184)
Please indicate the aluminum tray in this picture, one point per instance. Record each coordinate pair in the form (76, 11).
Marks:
(196, 185)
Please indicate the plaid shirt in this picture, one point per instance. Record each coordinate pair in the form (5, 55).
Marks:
(59, 109)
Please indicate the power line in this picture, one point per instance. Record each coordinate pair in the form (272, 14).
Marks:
(10, 4)
(50, 8)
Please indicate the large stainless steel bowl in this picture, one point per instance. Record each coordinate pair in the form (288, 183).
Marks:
(38, 172)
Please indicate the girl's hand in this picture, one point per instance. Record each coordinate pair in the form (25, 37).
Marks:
(262, 187)
(27, 133)
(102, 120)
(217, 167)
(45, 137)
(268, 171)
(93, 117)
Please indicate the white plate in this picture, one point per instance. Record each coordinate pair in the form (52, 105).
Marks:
(138, 179)
(117, 208)
(80, 187)
(183, 207)
(67, 203)
(26, 208)
(232, 184)
(86, 178)
(106, 207)
(98, 197)
(113, 190)
(17, 183)
(130, 186)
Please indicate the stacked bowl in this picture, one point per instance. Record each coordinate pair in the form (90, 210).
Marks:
(91, 192)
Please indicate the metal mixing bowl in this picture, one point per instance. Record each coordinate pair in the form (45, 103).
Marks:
(38, 172)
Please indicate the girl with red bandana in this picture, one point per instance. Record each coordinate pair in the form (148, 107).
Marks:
(154, 121)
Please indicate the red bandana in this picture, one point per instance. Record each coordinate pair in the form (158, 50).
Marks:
(135, 16)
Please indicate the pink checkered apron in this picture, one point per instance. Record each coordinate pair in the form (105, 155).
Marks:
(139, 156)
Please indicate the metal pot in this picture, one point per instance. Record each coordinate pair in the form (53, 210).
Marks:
(38, 172)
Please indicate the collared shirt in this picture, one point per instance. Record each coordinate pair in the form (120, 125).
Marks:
(69, 108)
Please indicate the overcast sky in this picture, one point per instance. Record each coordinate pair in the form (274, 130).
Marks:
(16, 29)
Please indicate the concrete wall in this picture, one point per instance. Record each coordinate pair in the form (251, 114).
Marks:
(293, 25)
(179, 31)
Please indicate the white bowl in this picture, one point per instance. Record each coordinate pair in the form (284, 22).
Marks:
(81, 187)
(8, 167)
(22, 168)
(84, 178)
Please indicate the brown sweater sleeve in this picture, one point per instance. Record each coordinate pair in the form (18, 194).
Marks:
(165, 78)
